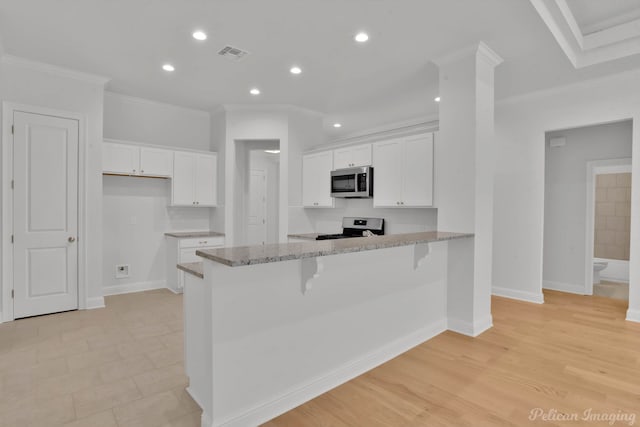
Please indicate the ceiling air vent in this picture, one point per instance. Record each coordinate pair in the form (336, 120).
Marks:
(233, 52)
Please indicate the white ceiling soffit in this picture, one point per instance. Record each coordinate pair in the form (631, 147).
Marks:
(590, 33)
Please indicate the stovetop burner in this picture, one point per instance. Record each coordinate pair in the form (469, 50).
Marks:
(356, 227)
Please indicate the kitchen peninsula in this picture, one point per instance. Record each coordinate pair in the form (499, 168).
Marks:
(270, 327)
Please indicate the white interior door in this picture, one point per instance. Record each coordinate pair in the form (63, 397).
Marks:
(257, 223)
(45, 214)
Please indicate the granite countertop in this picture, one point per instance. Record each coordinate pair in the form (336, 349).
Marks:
(249, 255)
(194, 234)
(306, 236)
(194, 268)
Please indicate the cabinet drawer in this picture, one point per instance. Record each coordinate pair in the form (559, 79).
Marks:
(201, 242)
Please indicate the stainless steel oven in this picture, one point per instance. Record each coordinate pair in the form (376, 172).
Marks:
(352, 182)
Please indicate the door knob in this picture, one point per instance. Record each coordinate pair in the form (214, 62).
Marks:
(72, 239)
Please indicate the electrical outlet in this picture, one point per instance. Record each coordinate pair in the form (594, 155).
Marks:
(122, 271)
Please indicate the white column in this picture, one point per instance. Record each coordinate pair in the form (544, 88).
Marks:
(464, 175)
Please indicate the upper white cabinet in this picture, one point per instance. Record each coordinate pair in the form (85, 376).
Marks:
(126, 159)
(348, 157)
(316, 180)
(194, 179)
(403, 172)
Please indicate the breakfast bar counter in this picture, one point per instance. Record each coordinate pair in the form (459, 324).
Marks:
(270, 327)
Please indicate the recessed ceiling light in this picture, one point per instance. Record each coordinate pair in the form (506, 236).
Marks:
(200, 35)
(295, 70)
(337, 125)
(361, 37)
(437, 99)
(255, 91)
(272, 151)
(168, 67)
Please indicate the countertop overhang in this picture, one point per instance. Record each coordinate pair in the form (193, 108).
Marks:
(262, 254)
(193, 234)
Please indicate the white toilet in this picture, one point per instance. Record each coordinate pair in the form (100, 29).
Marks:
(597, 268)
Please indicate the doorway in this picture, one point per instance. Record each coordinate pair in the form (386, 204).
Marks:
(41, 212)
(258, 178)
(572, 159)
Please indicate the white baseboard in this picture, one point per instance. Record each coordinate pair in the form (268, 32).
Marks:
(96, 302)
(564, 287)
(470, 329)
(633, 315)
(536, 298)
(134, 287)
(305, 392)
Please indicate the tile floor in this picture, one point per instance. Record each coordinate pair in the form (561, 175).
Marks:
(614, 290)
(118, 366)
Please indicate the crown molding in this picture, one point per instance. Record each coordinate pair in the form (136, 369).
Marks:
(584, 85)
(480, 48)
(607, 44)
(267, 108)
(146, 101)
(54, 69)
(394, 130)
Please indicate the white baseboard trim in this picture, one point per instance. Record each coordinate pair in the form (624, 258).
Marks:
(305, 392)
(563, 287)
(96, 302)
(470, 329)
(536, 298)
(133, 287)
(633, 315)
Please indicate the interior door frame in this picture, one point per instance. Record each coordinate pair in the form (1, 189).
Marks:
(8, 110)
(594, 168)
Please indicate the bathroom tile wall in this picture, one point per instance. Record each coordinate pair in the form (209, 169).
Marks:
(613, 216)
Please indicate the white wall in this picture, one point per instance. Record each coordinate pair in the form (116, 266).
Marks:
(141, 120)
(145, 201)
(45, 86)
(521, 124)
(565, 214)
(135, 217)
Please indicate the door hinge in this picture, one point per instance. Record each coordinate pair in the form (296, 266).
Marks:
(12, 293)
(12, 238)
(12, 184)
(12, 129)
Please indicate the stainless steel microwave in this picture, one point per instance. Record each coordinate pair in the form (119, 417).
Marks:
(352, 182)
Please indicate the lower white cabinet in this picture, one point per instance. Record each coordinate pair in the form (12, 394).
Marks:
(403, 172)
(194, 179)
(180, 250)
(316, 180)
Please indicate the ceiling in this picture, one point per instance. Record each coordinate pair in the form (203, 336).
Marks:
(388, 79)
(597, 15)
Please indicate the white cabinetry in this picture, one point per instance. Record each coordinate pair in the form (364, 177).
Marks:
(348, 157)
(182, 250)
(126, 159)
(316, 180)
(194, 179)
(403, 172)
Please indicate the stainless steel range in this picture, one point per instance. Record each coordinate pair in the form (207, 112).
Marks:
(356, 227)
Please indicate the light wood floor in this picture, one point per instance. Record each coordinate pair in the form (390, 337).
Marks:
(570, 354)
(122, 366)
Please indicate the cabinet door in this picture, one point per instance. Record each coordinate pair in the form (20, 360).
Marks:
(342, 158)
(156, 162)
(316, 180)
(205, 180)
(183, 182)
(387, 173)
(417, 185)
(361, 155)
(120, 159)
